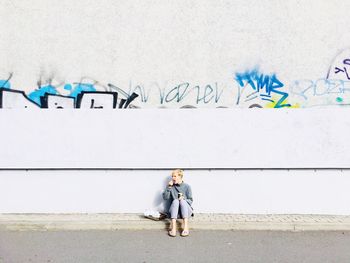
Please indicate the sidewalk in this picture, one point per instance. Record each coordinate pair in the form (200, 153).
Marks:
(43, 222)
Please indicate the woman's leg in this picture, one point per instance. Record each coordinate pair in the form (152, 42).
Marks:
(174, 211)
(172, 230)
(186, 212)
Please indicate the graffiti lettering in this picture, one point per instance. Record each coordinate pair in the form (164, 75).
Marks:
(321, 92)
(15, 99)
(11, 99)
(49, 101)
(320, 87)
(264, 86)
(340, 66)
(97, 100)
(81, 95)
(250, 89)
(124, 103)
(204, 94)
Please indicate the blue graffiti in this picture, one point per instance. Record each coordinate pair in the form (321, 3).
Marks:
(36, 95)
(320, 87)
(5, 84)
(68, 87)
(79, 88)
(263, 85)
(44, 93)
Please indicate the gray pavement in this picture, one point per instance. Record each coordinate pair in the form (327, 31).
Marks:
(198, 222)
(156, 246)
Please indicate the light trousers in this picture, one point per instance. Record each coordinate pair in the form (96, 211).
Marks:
(181, 208)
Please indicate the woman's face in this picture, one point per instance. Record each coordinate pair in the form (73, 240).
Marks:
(176, 178)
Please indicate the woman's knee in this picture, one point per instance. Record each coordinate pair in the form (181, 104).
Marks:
(184, 205)
(185, 209)
(183, 202)
(175, 202)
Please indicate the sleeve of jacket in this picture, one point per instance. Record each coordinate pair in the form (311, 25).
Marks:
(189, 197)
(166, 193)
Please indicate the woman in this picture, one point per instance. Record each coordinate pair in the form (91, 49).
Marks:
(180, 195)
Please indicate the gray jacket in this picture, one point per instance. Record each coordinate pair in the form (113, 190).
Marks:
(171, 193)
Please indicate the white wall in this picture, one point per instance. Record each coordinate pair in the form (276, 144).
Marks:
(214, 191)
(174, 138)
(188, 138)
(152, 47)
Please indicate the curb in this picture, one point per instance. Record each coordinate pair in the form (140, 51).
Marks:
(59, 222)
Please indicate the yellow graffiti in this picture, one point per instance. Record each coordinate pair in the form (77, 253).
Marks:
(271, 105)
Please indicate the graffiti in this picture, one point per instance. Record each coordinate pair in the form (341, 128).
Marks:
(52, 101)
(94, 95)
(36, 95)
(125, 103)
(97, 100)
(247, 89)
(340, 66)
(6, 83)
(252, 90)
(263, 86)
(346, 62)
(64, 96)
(333, 90)
(14, 99)
(175, 93)
(206, 94)
(321, 92)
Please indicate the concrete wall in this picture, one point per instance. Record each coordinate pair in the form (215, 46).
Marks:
(215, 191)
(172, 54)
(55, 142)
(203, 54)
(191, 138)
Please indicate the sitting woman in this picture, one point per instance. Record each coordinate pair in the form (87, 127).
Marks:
(180, 195)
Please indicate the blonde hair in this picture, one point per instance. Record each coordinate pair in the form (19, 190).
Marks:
(179, 172)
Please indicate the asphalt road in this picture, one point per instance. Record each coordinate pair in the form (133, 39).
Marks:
(156, 246)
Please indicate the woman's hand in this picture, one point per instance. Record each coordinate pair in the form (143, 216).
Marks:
(171, 183)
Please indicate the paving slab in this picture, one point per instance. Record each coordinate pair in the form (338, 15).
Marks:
(200, 221)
